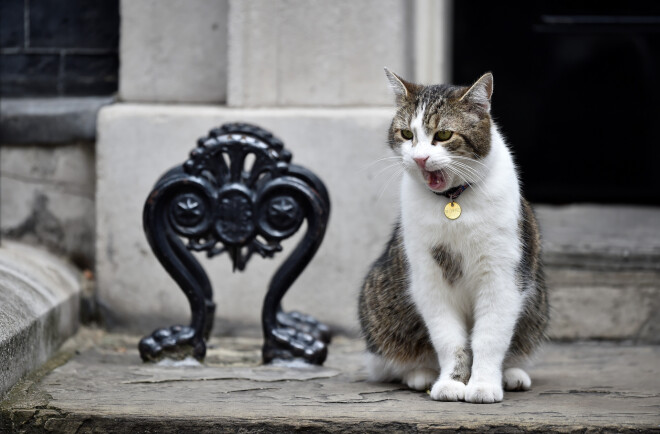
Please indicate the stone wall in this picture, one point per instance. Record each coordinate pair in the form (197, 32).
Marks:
(57, 58)
(174, 51)
(48, 198)
(47, 173)
(309, 71)
(315, 53)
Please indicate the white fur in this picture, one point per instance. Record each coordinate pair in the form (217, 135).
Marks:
(448, 390)
(516, 379)
(481, 308)
(420, 378)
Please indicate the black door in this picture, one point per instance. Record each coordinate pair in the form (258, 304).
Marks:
(576, 93)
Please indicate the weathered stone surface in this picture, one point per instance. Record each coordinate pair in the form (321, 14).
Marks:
(619, 237)
(48, 121)
(603, 269)
(138, 143)
(39, 299)
(47, 198)
(588, 304)
(173, 51)
(316, 53)
(576, 388)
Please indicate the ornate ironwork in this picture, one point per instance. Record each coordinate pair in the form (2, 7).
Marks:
(238, 193)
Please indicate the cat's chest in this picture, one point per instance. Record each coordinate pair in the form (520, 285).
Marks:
(424, 219)
(484, 229)
(428, 228)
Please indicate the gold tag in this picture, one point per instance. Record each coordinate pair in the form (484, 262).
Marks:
(453, 210)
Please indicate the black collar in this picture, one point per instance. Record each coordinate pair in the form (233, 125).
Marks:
(453, 192)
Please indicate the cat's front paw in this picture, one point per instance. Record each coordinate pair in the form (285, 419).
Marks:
(448, 390)
(483, 393)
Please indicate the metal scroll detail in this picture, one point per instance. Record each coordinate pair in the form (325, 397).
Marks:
(239, 194)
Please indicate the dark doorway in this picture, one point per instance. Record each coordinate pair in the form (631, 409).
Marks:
(576, 93)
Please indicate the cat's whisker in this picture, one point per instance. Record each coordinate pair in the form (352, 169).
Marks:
(463, 157)
(380, 160)
(466, 166)
(386, 168)
(459, 174)
(463, 176)
(472, 160)
(389, 181)
(465, 171)
(471, 172)
(466, 162)
(475, 185)
(476, 173)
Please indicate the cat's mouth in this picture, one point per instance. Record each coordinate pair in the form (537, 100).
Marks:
(436, 180)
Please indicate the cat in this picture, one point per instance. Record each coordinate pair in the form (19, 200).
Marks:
(455, 304)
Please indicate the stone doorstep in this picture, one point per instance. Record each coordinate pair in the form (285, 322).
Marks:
(603, 271)
(98, 383)
(600, 237)
(39, 309)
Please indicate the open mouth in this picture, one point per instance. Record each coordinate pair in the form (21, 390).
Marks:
(436, 180)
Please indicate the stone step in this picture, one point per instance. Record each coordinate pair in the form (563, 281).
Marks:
(603, 270)
(39, 308)
(98, 384)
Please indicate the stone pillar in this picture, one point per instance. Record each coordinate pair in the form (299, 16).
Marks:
(309, 71)
(316, 53)
(173, 51)
(432, 41)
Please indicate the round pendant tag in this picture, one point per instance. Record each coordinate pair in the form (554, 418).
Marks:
(453, 210)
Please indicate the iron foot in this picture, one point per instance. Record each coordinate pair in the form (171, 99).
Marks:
(306, 324)
(175, 342)
(288, 343)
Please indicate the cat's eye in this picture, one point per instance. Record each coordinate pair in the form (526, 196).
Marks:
(407, 134)
(443, 135)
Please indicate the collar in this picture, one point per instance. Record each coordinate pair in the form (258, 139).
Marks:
(453, 192)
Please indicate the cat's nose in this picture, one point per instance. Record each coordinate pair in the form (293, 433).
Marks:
(421, 161)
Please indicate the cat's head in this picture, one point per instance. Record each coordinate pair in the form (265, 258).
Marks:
(442, 132)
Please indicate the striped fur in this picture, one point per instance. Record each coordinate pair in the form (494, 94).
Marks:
(451, 304)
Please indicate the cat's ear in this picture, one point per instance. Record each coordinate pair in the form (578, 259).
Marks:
(401, 88)
(480, 92)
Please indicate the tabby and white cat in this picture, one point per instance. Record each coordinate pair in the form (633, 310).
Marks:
(455, 305)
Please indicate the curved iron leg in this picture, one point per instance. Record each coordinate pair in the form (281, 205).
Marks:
(202, 282)
(306, 323)
(282, 341)
(177, 341)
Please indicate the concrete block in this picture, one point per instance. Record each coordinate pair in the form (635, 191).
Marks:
(39, 295)
(316, 53)
(47, 198)
(601, 237)
(137, 143)
(48, 121)
(173, 51)
(596, 304)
